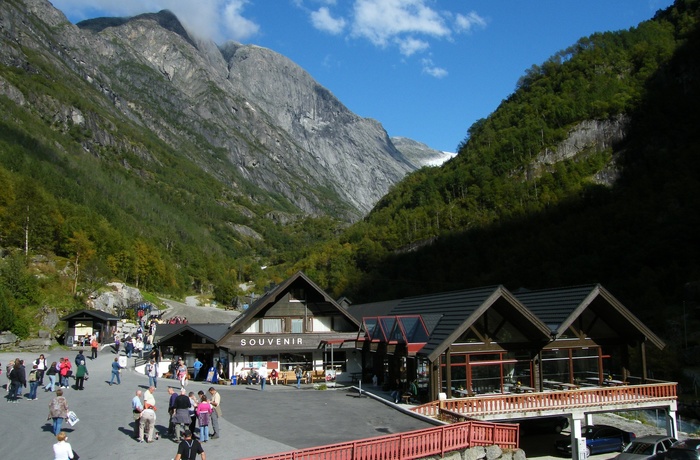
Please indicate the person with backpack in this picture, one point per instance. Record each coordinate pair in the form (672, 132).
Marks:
(33, 382)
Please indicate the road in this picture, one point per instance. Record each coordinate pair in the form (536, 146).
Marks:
(196, 313)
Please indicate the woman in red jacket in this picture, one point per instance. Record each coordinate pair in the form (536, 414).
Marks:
(64, 369)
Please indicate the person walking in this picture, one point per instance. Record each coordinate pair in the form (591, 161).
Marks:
(216, 404)
(33, 382)
(152, 373)
(62, 450)
(262, 373)
(51, 374)
(81, 374)
(21, 374)
(299, 374)
(137, 410)
(94, 345)
(189, 448)
(148, 423)
(204, 411)
(58, 410)
(116, 370)
(15, 378)
(183, 374)
(196, 366)
(41, 368)
(65, 371)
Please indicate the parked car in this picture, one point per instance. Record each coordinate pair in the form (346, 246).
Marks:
(646, 447)
(599, 439)
(688, 449)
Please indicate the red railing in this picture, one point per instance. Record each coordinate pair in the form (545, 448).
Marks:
(412, 444)
(503, 404)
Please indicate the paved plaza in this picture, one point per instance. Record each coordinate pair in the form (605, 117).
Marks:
(254, 422)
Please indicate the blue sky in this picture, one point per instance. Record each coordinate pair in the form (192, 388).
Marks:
(425, 69)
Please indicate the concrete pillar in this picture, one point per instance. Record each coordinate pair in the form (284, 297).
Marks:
(671, 423)
(578, 442)
(588, 420)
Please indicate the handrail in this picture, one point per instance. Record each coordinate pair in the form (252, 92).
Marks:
(565, 399)
(412, 444)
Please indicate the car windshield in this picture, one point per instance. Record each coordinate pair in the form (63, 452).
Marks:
(641, 448)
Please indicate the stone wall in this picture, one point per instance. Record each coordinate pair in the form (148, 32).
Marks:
(484, 453)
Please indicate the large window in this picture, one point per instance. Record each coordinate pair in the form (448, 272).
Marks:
(297, 325)
(571, 365)
(272, 325)
(487, 372)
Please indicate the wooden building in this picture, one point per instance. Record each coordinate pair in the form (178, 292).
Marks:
(294, 324)
(489, 340)
(87, 323)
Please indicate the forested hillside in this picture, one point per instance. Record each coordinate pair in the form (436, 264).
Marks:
(498, 213)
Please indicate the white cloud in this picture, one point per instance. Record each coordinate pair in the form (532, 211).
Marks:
(219, 20)
(322, 20)
(466, 23)
(234, 24)
(409, 46)
(381, 20)
(432, 70)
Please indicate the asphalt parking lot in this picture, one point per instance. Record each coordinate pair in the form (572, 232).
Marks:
(255, 422)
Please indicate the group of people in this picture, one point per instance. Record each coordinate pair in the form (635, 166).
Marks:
(261, 375)
(187, 413)
(58, 371)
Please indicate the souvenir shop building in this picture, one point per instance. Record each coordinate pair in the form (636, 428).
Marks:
(294, 324)
(489, 340)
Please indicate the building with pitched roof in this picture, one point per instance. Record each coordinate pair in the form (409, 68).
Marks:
(296, 323)
(87, 323)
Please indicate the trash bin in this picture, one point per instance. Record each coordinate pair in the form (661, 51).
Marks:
(234, 380)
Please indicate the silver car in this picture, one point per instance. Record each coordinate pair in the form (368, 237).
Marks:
(646, 447)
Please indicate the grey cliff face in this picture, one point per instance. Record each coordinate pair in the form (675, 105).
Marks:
(246, 115)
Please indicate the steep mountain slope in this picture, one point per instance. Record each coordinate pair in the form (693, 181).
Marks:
(166, 161)
(243, 114)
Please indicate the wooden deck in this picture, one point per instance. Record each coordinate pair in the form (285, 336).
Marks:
(547, 403)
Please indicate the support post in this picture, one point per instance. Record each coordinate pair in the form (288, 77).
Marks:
(578, 442)
(671, 423)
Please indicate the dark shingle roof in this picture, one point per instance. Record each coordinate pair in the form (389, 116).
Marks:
(458, 310)
(103, 315)
(560, 307)
(211, 331)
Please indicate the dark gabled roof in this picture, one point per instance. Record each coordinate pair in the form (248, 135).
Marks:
(459, 310)
(383, 308)
(272, 296)
(210, 331)
(558, 308)
(99, 314)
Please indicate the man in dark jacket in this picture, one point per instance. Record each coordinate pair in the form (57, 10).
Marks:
(18, 380)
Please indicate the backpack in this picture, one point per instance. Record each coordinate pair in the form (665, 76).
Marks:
(32, 376)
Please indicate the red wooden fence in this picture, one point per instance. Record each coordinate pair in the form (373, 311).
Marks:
(476, 406)
(412, 444)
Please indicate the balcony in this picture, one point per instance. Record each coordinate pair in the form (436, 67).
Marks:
(547, 403)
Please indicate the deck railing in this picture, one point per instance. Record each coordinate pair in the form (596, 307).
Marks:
(411, 445)
(550, 400)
